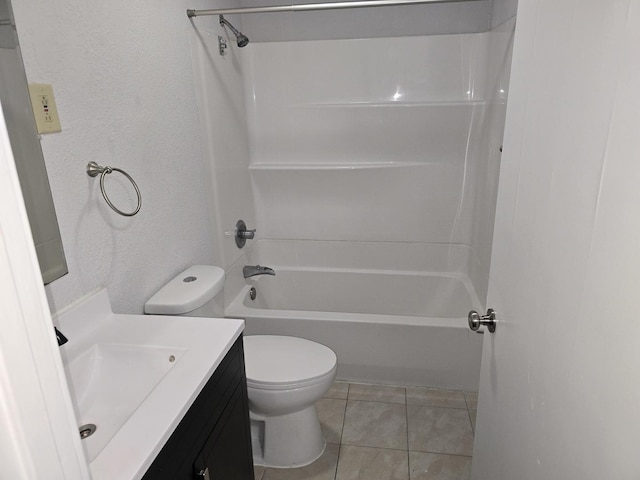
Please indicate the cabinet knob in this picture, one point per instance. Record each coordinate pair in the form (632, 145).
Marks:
(203, 474)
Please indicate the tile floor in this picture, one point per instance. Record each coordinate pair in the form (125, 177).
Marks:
(377, 432)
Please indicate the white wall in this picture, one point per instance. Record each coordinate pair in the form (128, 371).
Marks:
(125, 92)
(221, 106)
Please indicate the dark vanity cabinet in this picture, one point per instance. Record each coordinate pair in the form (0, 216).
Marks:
(213, 441)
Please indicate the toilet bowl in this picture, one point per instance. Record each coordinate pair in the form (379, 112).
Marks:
(286, 376)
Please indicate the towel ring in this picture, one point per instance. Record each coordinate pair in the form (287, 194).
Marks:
(93, 170)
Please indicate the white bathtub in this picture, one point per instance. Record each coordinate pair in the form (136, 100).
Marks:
(403, 327)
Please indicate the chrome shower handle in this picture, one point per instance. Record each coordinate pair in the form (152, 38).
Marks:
(243, 233)
(247, 234)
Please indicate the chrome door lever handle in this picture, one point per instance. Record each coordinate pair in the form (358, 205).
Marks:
(476, 320)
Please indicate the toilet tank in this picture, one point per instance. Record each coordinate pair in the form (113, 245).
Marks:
(196, 292)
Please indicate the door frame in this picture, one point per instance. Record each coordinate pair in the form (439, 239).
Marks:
(40, 437)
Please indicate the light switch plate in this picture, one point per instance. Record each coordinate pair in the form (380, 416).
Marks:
(44, 108)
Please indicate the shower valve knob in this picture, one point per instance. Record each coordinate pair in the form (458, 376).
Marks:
(248, 234)
(476, 320)
(243, 234)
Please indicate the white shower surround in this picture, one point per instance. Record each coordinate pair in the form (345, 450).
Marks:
(374, 167)
(379, 139)
(366, 140)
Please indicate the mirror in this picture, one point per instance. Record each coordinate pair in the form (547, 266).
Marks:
(25, 143)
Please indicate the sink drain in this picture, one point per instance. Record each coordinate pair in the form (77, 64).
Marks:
(87, 430)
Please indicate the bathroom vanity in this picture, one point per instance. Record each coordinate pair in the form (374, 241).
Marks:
(213, 440)
(157, 396)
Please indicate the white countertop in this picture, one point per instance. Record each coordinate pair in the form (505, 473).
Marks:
(200, 344)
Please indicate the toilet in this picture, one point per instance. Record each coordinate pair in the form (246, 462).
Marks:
(286, 376)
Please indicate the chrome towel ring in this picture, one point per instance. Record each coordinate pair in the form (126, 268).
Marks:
(93, 170)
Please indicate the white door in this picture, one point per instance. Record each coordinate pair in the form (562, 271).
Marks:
(560, 380)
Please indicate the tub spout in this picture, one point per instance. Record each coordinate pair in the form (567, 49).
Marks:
(253, 270)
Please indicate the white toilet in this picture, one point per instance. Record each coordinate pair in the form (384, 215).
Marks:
(286, 376)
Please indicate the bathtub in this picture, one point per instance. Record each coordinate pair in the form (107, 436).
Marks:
(394, 327)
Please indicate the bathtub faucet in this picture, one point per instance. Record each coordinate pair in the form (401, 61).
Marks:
(253, 270)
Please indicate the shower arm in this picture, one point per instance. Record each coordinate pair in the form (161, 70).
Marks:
(306, 7)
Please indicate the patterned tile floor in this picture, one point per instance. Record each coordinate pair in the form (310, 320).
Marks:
(377, 432)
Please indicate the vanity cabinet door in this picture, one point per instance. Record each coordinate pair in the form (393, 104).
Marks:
(227, 453)
(219, 410)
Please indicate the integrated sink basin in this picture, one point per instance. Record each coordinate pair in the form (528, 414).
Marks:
(134, 377)
(109, 382)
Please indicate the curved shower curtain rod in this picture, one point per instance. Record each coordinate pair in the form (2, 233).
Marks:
(306, 7)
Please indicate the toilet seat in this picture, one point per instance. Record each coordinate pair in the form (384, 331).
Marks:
(275, 362)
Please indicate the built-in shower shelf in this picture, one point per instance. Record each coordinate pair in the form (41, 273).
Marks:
(392, 103)
(333, 166)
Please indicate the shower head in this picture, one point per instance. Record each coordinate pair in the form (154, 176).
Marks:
(243, 40)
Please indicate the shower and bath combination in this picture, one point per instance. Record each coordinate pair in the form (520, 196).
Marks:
(393, 309)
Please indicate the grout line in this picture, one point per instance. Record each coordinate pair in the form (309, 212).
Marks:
(344, 420)
(445, 454)
(378, 401)
(417, 387)
(406, 416)
(467, 401)
(473, 430)
(380, 448)
(408, 404)
(442, 453)
(436, 406)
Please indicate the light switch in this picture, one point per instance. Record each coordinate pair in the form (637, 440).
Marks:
(44, 108)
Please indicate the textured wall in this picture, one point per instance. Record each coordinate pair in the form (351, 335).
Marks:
(124, 87)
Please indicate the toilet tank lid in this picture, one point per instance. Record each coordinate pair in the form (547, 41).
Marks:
(188, 291)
